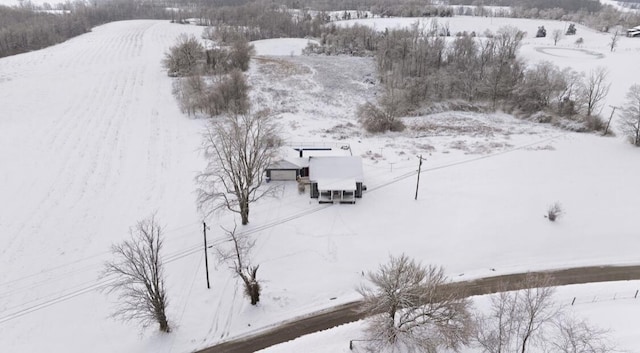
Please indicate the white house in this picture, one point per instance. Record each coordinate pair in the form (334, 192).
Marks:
(336, 178)
(293, 161)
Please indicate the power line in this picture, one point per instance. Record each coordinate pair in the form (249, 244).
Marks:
(196, 248)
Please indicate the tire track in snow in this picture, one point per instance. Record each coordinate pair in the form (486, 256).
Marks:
(88, 142)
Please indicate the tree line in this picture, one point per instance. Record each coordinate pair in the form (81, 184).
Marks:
(419, 66)
(566, 5)
(27, 28)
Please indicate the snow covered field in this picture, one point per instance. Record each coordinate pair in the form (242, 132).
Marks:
(35, 2)
(91, 141)
(610, 306)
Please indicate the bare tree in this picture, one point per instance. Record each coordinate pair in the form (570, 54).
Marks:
(578, 336)
(615, 38)
(139, 277)
(539, 87)
(238, 149)
(241, 52)
(496, 331)
(570, 94)
(189, 91)
(505, 68)
(518, 319)
(184, 57)
(232, 92)
(630, 123)
(536, 308)
(413, 308)
(594, 89)
(236, 253)
(556, 36)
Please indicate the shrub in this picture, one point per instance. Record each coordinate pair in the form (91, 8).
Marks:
(554, 211)
(184, 57)
(376, 119)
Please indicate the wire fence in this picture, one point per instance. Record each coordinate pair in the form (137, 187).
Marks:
(361, 344)
(601, 297)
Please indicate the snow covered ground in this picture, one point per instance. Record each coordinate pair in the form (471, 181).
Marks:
(91, 141)
(34, 2)
(281, 47)
(608, 306)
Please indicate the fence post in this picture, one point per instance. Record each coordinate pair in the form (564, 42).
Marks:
(573, 301)
(350, 345)
(636, 296)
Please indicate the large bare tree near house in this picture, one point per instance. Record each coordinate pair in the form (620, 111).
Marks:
(138, 275)
(411, 308)
(238, 149)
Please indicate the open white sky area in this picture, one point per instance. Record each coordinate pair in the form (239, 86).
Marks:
(92, 140)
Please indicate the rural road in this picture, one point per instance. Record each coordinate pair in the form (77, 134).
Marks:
(349, 312)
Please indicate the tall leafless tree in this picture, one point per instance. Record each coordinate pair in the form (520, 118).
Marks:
(139, 276)
(615, 38)
(235, 251)
(594, 90)
(518, 319)
(412, 308)
(238, 149)
(495, 331)
(579, 336)
(505, 68)
(241, 52)
(556, 35)
(630, 123)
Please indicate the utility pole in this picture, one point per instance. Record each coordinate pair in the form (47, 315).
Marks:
(606, 129)
(206, 259)
(419, 169)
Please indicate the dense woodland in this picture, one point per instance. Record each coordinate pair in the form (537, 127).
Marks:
(419, 68)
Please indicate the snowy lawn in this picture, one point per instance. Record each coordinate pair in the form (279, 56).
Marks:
(91, 141)
(610, 306)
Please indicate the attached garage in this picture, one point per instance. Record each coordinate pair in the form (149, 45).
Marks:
(285, 170)
(283, 175)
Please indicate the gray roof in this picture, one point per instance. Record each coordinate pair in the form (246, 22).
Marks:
(283, 165)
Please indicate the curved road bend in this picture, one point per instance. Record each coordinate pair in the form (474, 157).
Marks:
(350, 312)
